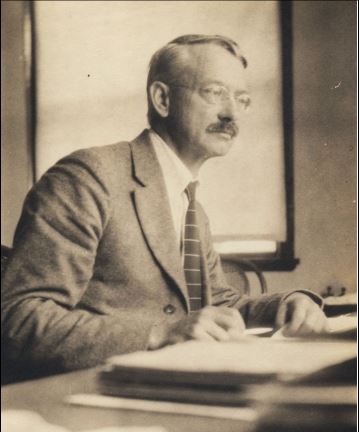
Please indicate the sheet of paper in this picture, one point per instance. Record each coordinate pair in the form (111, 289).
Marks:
(258, 331)
(128, 429)
(337, 325)
(307, 395)
(24, 420)
(251, 356)
(95, 400)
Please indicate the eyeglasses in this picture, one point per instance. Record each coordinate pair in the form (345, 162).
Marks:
(216, 94)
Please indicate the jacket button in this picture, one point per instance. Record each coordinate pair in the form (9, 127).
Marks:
(169, 309)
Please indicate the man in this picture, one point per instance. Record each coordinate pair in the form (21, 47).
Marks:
(112, 254)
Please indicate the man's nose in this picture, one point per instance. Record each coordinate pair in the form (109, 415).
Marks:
(228, 111)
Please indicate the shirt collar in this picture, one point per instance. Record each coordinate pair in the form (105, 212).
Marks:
(176, 174)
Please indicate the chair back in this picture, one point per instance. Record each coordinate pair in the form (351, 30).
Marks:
(236, 275)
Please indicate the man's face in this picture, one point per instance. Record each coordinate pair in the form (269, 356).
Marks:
(207, 103)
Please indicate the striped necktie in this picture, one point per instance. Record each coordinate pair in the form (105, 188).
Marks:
(192, 251)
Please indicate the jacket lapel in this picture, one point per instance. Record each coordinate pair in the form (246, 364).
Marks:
(154, 213)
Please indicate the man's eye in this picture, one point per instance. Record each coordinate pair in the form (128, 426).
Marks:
(243, 100)
(216, 91)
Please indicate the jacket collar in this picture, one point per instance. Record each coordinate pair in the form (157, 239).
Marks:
(154, 213)
(146, 167)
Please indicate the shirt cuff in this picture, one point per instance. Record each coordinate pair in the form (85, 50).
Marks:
(315, 297)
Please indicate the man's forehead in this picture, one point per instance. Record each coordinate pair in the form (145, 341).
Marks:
(213, 63)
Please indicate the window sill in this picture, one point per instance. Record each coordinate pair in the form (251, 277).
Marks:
(264, 263)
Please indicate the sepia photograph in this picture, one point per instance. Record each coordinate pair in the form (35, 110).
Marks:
(178, 216)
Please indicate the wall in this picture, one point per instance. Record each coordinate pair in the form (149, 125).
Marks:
(324, 139)
(325, 146)
(15, 156)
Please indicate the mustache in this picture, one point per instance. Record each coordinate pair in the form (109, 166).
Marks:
(229, 127)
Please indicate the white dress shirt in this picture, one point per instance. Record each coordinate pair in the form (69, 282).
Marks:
(176, 176)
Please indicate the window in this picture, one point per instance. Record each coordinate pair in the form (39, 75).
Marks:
(91, 66)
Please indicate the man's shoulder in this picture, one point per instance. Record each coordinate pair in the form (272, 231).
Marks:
(107, 155)
(110, 166)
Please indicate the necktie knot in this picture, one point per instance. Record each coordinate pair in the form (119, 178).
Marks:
(191, 191)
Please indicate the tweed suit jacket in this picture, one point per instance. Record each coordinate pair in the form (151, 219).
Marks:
(96, 262)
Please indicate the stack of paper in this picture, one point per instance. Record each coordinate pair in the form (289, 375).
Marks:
(217, 373)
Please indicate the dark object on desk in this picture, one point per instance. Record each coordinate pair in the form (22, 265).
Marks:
(348, 334)
(331, 310)
(338, 302)
(334, 292)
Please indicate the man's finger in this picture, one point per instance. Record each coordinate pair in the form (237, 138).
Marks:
(227, 310)
(229, 321)
(308, 326)
(326, 326)
(199, 333)
(315, 322)
(296, 320)
(214, 330)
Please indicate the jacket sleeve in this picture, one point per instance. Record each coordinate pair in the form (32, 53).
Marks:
(55, 245)
(256, 311)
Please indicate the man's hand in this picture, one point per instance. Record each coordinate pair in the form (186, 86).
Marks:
(299, 315)
(208, 324)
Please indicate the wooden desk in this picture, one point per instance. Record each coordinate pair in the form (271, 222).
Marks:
(46, 397)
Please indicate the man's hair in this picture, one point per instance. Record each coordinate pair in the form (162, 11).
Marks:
(165, 62)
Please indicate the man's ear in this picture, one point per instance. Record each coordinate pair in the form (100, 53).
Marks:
(159, 93)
